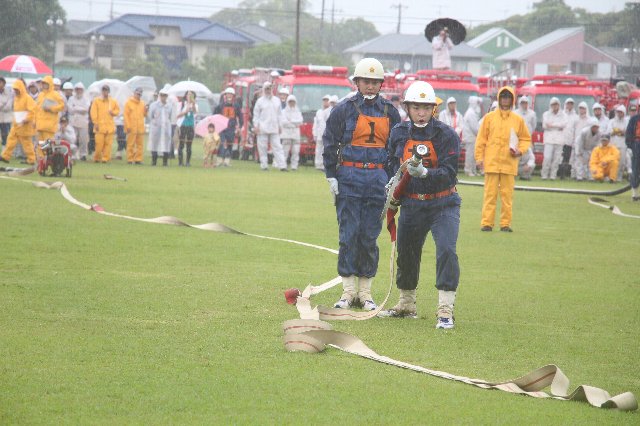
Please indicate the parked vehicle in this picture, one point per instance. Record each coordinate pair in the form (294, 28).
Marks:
(309, 83)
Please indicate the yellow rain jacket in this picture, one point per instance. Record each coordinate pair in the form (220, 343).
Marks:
(102, 113)
(492, 142)
(22, 102)
(134, 113)
(47, 121)
(607, 154)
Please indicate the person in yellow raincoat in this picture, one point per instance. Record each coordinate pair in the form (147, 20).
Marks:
(503, 137)
(604, 160)
(134, 113)
(103, 110)
(22, 128)
(49, 106)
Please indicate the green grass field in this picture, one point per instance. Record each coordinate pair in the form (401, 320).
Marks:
(110, 321)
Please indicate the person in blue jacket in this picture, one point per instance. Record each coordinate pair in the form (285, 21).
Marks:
(355, 163)
(429, 203)
(632, 140)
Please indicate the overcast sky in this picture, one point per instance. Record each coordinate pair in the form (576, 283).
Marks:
(415, 13)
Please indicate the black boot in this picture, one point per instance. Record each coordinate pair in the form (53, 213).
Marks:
(165, 159)
(154, 158)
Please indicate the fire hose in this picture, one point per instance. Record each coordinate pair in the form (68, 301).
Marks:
(311, 334)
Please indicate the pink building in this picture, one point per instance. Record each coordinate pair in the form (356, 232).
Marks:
(559, 52)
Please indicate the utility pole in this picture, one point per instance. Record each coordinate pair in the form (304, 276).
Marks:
(297, 31)
(321, 24)
(399, 6)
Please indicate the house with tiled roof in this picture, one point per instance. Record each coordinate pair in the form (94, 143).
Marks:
(495, 41)
(177, 39)
(558, 52)
(410, 53)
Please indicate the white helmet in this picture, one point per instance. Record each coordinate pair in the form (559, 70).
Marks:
(451, 100)
(554, 100)
(621, 108)
(420, 92)
(283, 91)
(593, 122)
(229, 90)
(369, 68)
(334, 99)
(524, 99)
(67, 85)
(79, 85)
(596, 106)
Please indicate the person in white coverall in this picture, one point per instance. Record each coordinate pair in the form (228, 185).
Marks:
(598, 112)
(554, 122)
(529, 115)
(569, 138)
(451, 117)
(440, 46)
(266, 124)
(587, 139)
(471, 124)
(526, 165)
(319, 124)
(291, 120)
(617, 128)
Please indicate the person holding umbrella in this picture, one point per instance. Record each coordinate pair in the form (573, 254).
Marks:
(22, 129)
(441, 45)
(230, 109)
(355, 162)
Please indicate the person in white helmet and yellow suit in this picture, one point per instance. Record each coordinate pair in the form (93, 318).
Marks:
(429, 203)
(355, 162)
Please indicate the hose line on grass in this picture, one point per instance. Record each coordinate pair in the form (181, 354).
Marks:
(311, 334)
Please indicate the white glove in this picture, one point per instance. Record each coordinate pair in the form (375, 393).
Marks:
(333, 186)
(418, 171)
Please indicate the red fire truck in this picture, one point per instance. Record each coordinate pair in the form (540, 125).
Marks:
(541, 88)
(309, 83)
(615, 92)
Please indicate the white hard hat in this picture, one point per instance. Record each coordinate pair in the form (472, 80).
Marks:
(291, 98)
(621, 108)
(451, 99)
(569, 100)
(327, 97)
(229, 90)
(334, 99)
(554, 100)
(266, 84)
(164, 91)
(596, 106)
(369, 68)
(593, 122)
(524, 99)
(79, 85)
(583, 104)
(67, 85)
(56, 82)
(420, 92)
(283, 91)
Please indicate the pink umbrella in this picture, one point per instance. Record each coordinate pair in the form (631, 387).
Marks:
(220, 121)
(24, 64)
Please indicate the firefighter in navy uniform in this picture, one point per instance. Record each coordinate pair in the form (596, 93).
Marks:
(355, 160)
(230, 109)
(430, 203)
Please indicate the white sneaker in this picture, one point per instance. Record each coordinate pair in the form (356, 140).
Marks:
(343, 304)
(445, 317)
(369, 305)
(397, 312)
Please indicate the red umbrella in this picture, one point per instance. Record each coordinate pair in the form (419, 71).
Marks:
(24, 64)
(220, 121)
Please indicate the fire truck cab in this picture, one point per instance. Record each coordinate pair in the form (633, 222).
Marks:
(309, 83)
(541, 88)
